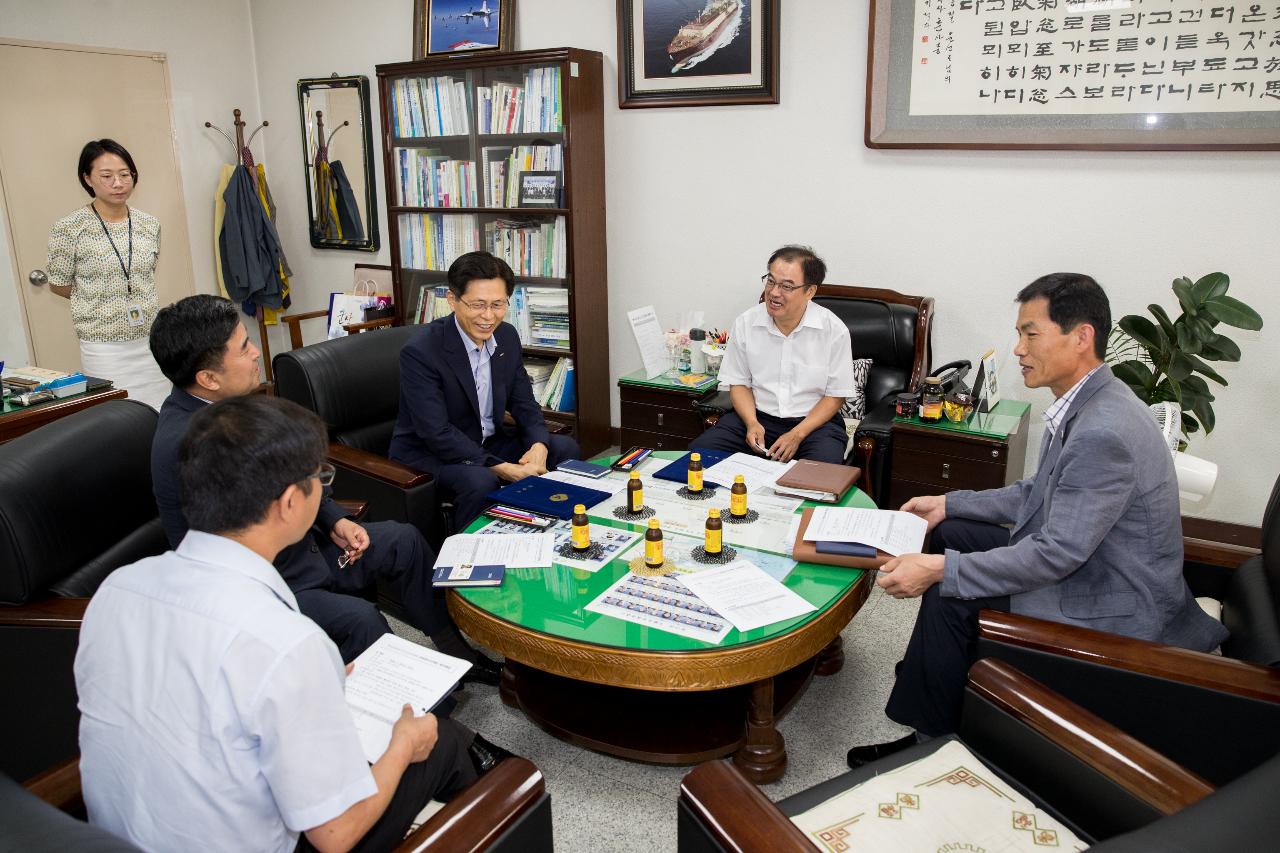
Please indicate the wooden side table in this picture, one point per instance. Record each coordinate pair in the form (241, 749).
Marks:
(660, 413)
(986, 453)
(16, 420)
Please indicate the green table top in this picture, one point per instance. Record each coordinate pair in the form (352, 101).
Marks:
(678, 382)
(1000, 422)
(11, 408)
(553, 601)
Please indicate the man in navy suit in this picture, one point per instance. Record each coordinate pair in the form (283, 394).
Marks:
(204, 349)
(458, 377)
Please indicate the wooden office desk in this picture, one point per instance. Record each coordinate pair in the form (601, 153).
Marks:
(17, 420)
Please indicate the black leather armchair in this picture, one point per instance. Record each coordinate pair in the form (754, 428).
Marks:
(75, 504)
(1217, 715)
(1098, 780)
(353, 384)
(895, 331)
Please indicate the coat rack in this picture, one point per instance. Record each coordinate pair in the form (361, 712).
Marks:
(320, 157)
(244, 156)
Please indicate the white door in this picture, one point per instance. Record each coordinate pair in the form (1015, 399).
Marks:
(55, 98)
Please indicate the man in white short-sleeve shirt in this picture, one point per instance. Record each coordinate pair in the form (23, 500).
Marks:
(212, 711)
(789, 368)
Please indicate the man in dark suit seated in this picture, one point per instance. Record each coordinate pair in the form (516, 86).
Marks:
(458, 377)
(205, 351)
(1094, 538)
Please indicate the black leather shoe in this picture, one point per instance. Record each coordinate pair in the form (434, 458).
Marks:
(861, 755)
(486, 756)
(484, 671)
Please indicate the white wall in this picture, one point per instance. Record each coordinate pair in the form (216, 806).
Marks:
(698, 197)
(211, 71)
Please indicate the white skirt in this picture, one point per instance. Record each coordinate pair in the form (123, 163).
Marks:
(129, 365)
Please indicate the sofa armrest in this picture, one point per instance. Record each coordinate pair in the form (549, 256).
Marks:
(353, 509)
(50, 612)
(735, 813)
(378, 467)
(480, 814)
(60, 787)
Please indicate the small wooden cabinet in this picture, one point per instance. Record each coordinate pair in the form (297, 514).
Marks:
(934, 459)
(661, 416)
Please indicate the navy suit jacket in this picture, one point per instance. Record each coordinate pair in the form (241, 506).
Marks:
(299, 564)
(439, 420)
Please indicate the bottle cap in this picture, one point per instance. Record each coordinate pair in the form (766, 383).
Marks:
(695, 457)
(579, 509)
(737, 478)
(932, 380)
(713, 513)
(653, 524)
(635, 475)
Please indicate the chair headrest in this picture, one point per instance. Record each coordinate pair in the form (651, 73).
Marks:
(881, 331)
(349, 382)
(70, 491)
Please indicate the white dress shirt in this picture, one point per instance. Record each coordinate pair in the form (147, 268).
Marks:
(212, 712)
(482, 374)
(789, 374)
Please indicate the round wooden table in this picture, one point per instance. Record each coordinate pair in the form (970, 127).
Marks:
(643, 693)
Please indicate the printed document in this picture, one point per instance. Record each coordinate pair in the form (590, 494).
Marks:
(653, 346)
(891, 531)
(661, 602)
(515, 550)
(745, 595)
(758, 473)
(390, 673)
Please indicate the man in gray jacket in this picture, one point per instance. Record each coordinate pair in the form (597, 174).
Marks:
(1095, 537)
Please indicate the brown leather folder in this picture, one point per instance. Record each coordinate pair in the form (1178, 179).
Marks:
(805, 552)
(820, 477)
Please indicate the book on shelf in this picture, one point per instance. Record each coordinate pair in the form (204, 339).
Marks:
(431, 179)
(433, 241)
(429, 106)
(532, 106)
(539, 370)
(433, 302)
(531, 247)
(559, 394)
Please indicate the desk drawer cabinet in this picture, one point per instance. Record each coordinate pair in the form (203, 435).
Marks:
(659, 418)
(929, 461)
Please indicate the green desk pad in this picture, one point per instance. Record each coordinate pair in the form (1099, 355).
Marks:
(553, 601)
(665, 381)
(1000, 422)
(10, 407)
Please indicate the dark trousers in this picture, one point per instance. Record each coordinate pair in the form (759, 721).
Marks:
(467, 485)
(929, 691)
(333, 597)
(729, 435)
(445, 772)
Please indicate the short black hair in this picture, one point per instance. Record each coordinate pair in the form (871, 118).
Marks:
(95, 148)
(479, 265)
(240, 454)
(191, 335)
(1074, 298)
(813, 267)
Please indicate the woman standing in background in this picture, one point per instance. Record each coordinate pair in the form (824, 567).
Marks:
(103, 258)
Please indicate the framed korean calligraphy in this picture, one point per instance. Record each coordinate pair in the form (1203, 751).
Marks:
(1085, 74)
(690, 53)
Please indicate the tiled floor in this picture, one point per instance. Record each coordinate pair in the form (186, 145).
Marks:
(601, 803)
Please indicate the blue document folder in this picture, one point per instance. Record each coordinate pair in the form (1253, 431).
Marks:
(468, 575)
(678, 471)
(844, 549)
(547, 497)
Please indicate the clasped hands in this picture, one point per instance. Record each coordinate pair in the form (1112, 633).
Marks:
(782, 450)
(909, 575)
(531, 464)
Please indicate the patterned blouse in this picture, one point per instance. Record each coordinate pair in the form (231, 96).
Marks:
(80, 255)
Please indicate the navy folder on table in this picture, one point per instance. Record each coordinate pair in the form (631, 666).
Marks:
(845, 549)
(678, 471)
(547, 497)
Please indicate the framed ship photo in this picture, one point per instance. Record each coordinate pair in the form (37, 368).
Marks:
(694, 53)
(462, 26)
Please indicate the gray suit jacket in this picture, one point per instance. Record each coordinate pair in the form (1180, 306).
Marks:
(1097, 533)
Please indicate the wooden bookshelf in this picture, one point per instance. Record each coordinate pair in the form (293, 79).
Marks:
(580, 136)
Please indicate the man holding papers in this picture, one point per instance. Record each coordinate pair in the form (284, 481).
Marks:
(212, 710)
(459, 376)
(1095, 537)
(789, 368)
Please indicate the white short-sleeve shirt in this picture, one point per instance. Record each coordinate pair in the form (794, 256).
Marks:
(789, 374)
(212, 711)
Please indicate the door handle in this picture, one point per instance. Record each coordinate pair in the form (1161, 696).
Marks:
(38, 278)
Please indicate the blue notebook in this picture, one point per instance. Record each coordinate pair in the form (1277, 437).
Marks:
(468, 575)
(678, 471)
(547, 497)
(844, 549)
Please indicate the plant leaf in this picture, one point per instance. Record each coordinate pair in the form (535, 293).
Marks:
(1141, 330)
(1187, 340)
(1201, 328)
(1180, 367)
(1220, 348)
(1211, 286)
(1189, 424)
(1201, 367)
(1186, 298)
(1233, 312)
(1204, 411)
(1163, 317)
(1137, 376)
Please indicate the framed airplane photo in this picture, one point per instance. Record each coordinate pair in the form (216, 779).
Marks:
(462, 26)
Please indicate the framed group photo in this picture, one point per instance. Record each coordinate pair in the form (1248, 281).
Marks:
(689, 53)
(462, 26)
(539, 189)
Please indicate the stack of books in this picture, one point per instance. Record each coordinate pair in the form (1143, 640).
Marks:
(433, 302)
(559, 394)
(531, 107)
(548, 317)
(503, 165)
(431, 106)
(531, 248)
(428, 178)
(433, 241)
(539, 370)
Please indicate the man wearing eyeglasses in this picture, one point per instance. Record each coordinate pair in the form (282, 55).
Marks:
(459, 377)
(789, 369)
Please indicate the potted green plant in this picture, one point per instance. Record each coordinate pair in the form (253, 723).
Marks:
(1168, 360)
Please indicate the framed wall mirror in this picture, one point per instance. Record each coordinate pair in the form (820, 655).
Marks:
(337, 143)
